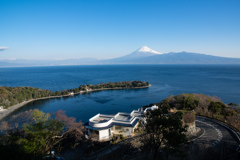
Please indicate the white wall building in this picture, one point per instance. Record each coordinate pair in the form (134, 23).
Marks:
(104, 126)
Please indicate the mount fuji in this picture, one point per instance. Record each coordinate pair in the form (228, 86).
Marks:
(142, 52)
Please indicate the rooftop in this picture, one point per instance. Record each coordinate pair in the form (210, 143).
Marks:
(101, 118)
(103, 121)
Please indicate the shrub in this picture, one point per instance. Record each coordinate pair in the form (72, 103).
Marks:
(188, 117)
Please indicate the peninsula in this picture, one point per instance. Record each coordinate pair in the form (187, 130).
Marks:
(13, 98)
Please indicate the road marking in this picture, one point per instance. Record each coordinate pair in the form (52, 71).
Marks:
(220, 136)
(200, 136)
(225, 126)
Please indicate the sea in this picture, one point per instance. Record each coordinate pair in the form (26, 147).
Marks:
(222, 81)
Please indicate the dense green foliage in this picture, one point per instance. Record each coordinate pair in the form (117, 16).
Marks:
(166, 133)
(206, 106)
(124, 84)
(31, 134)
(13, 95)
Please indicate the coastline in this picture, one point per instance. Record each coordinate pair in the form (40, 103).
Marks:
(15, 107)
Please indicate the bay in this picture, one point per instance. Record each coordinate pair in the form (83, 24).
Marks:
(222, 81)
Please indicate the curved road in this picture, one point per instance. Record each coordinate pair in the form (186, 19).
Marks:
(214, 134)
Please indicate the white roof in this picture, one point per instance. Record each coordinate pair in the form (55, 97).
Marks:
(103, 120)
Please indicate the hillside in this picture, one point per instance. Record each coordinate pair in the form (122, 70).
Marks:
(206, 106)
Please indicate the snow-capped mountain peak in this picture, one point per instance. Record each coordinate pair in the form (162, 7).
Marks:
(147, 49)
(144, 51)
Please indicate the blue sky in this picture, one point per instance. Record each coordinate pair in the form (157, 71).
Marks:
(57, 29)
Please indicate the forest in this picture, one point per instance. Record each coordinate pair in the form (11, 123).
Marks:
(10, 96)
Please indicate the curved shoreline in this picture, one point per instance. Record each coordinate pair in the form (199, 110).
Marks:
(15, 107)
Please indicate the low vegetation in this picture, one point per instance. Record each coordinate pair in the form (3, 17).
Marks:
(10, 96)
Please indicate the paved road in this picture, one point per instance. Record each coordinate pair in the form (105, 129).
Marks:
(214, 134)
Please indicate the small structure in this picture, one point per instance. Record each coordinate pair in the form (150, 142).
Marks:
(88, 88)
(2, 109)
(103, 126)
(71, 93)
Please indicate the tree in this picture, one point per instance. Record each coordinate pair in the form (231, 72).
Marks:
(165, 132)
(188, 117)
(33, 133)
(217, 108)
(76, 90)
(58, 93)
(190, 102)
(64, 92)
(232, 104)
(38, 136)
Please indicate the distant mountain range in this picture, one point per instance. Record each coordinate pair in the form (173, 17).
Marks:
(143, 55)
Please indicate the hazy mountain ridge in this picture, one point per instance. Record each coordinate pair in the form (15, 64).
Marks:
(143, 55)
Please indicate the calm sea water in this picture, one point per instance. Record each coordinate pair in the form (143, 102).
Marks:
(222, 81)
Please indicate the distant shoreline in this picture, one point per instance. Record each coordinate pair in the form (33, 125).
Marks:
(15, 107)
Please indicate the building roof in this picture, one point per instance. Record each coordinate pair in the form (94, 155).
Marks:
(102, 121)
(111, 125)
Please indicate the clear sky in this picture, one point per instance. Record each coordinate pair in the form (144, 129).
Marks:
(58, 29)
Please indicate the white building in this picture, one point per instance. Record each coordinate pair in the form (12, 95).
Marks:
(71, 93)
(104, 126)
